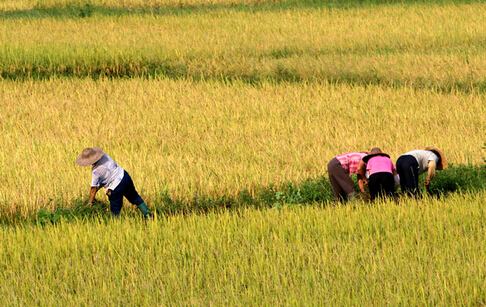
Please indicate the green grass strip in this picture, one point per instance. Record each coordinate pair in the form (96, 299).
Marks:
(460, 178)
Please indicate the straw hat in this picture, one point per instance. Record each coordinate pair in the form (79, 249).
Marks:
(443, 161)
(373, 153)
(89, 156)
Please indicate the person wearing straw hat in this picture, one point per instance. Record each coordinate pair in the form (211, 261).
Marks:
(116, 181)
(383, 178)
(416, 162)
(339, 169)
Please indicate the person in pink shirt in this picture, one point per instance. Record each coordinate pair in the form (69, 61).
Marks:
(383, 178)
(340, 168)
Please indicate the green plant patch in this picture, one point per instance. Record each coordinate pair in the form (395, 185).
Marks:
(454, 179)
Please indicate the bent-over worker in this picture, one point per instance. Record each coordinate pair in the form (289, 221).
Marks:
(116, 181)
(416, 162)
(340, 168)
(383, 180)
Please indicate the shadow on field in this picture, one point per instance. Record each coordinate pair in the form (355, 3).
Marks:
(461, 178)
(187, 69)
(88, 10)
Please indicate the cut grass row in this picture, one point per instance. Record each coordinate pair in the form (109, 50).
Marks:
(429, 252)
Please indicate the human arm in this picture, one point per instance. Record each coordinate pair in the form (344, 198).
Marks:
(430, 172)
(362, 174)
(92, 194)
(361, 183)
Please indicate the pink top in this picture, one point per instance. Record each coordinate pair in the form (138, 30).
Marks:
(380, 164)
(349, 161)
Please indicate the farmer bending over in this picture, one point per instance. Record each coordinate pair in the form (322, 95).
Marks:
(116, 181)
(339, 169)
(383, 180)
(416, 162)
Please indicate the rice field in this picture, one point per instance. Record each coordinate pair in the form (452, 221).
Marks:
(232, 97)
(210, 98)
(427, 253)
(420, 45)
(211, 138)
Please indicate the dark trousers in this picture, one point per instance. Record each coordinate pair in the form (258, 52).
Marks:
(381, 184)
(341, 182)
(127, 189)
(408, 170)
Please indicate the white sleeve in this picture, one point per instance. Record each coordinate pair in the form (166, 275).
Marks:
(433, 157)
(95, 179)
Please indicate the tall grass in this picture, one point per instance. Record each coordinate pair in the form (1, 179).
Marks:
(416, 253)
